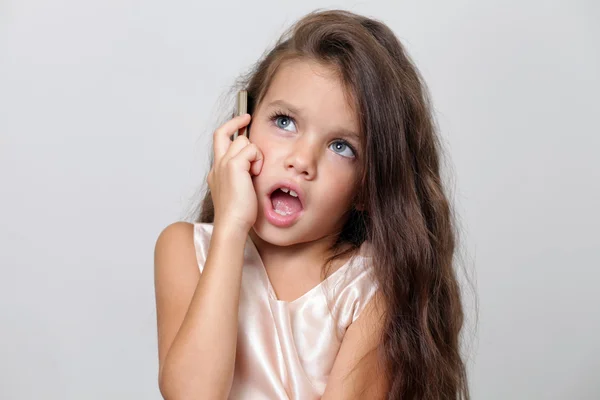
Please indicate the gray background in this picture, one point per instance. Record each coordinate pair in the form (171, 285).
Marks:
(106, 111)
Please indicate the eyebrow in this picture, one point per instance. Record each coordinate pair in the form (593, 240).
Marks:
(299, 111)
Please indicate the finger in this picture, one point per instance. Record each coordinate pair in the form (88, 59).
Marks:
(221, 137)
(239, 132)
(209, 179)
(221, 141)
(257, 164)
(236, 146)
(250, 158)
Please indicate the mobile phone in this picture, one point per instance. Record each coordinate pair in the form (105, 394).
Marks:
(241, 109)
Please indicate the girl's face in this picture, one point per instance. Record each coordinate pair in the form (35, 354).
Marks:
(308, 133)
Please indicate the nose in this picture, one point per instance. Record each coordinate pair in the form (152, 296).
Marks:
(303, 159)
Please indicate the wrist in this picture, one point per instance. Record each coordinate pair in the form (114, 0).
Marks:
(230, 232)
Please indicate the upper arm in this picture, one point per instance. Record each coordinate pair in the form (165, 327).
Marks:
(176, 275)
(357, 372)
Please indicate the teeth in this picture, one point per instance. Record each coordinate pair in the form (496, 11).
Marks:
(282, 213)
(291, 192)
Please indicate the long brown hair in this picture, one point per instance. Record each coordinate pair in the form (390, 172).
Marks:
(404, 211)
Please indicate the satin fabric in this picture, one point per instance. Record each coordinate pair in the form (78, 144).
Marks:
(285, 350)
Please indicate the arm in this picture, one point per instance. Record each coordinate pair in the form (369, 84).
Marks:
(357, 372)
(197, 313)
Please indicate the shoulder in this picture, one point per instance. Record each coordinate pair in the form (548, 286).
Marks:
(358, 372)
(358, 286)
(174, 248)
(182, 245)
(176, 228)
(183, 230)
(182, 237)
(176, 236)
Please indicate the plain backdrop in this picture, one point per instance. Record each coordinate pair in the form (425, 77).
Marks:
(106, 114)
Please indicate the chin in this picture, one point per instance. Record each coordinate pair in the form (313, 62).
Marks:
(274, 235)
(279, 236)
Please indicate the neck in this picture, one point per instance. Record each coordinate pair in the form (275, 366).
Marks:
(294, 256)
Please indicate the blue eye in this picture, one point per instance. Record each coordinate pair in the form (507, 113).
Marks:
(341, 145)
(283, 121)
(284, 125)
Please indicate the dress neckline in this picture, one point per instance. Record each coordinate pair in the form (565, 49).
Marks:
(273, 296)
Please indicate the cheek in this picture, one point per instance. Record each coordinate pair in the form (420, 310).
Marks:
(259, 136)
(269, 154)
(270, 150)
(340, 187)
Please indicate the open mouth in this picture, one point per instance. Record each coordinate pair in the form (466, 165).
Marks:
(285, 202)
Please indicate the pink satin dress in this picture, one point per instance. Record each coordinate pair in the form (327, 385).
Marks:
(285, 350)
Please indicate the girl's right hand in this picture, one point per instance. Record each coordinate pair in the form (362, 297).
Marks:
(230, 181)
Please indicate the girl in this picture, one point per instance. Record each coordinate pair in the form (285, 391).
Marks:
(321, 263)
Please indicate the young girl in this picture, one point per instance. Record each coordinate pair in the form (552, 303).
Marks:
(321, 265)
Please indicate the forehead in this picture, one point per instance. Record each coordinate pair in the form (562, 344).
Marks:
(315, 90)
